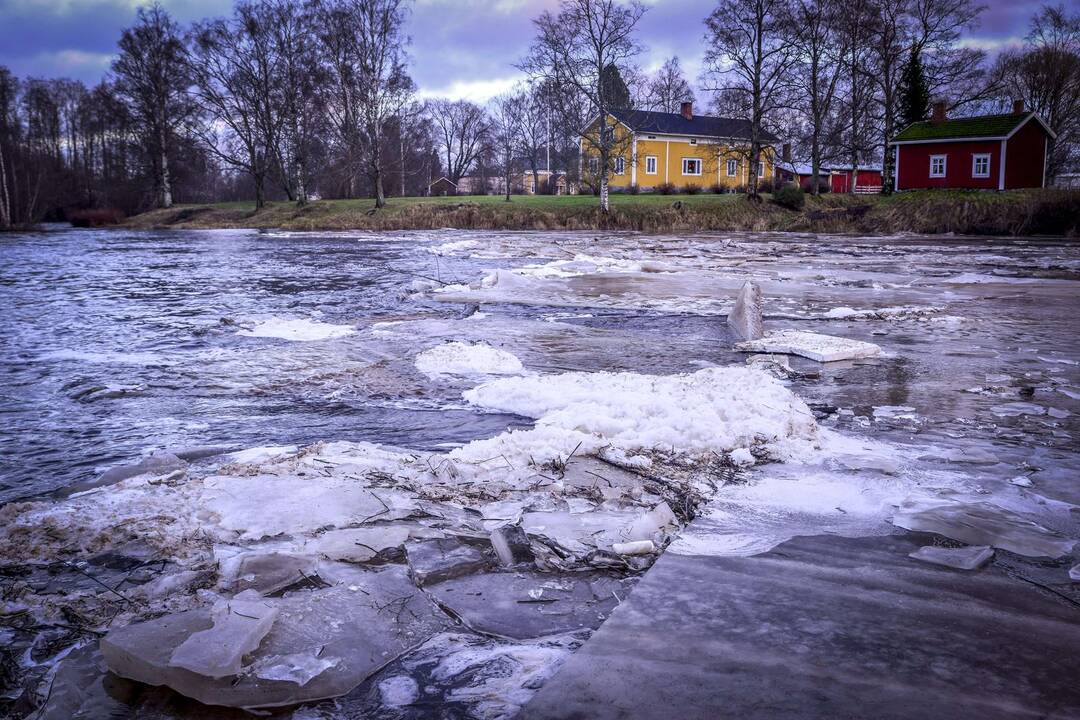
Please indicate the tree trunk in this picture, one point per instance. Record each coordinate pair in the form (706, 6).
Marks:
(260, 193)
(507, 180)
(401, 139)
(5, 202)
(301, 184)
(752, 180)
(166, 185)
(605, 207)
(815, 163)
(376, 168)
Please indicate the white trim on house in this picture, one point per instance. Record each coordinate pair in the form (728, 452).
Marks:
(633, 162)
(1046, 158)
(655, 162)
(1041, 122)
(1001, 172)
(944, 166)
(687, 160)
(730, 162)
(667, 158)
(975, 158)
(896, 174)
(986, 138)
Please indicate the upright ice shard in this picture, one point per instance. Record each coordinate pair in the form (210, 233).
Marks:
(745, 318)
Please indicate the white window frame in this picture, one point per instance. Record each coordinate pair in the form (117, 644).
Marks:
(975, 158)
(944, 166)
(652, 160)
(620, 165)
(594, 165)
(760, 169)
(686, 161)
(732, 168)
(693, 141)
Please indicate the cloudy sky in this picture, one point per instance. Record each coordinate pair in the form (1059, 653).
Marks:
(460, 48)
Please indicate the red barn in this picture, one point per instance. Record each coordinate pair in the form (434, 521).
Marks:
(866, 181)
(988, 152)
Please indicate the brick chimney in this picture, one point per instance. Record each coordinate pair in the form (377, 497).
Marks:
(785, 154)
(939, 113)
(1018, 107)
(688, 110)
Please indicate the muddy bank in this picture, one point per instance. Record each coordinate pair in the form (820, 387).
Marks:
(1025, 213)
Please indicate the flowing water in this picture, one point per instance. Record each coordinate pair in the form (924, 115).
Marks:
(116, 342)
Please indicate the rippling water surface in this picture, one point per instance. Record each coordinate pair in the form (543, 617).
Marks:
(115, 343)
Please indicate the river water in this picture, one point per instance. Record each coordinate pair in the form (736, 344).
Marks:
(116, 343)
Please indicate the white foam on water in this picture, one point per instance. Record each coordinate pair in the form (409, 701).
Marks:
(460, 358)
(296, 329)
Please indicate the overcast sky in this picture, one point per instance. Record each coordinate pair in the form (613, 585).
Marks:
(460, 48)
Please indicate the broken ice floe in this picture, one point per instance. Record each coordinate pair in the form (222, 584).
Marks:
(459, 358)
(967, 558)
(319, 643)
(982, 523)
(822, 348)
(745, 318)
(296, 329)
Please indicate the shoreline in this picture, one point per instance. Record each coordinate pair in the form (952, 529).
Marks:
(1054, 213)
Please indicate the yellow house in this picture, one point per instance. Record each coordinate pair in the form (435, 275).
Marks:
(651, 148)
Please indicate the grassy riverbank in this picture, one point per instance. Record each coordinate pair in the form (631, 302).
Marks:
(1049, 212)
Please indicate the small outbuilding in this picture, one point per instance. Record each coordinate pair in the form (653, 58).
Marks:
(987, 152)
(442, 186)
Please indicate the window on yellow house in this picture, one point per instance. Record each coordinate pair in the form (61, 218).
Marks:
(732, 168)
(594, 165)
(761, 168)
(620, 166)
(650, 164)
(691, 166)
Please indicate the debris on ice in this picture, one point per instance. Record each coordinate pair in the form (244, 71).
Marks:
(822, 348)
(972, 557)
(636, 547)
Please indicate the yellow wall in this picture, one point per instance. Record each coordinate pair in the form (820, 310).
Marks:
(669, 151)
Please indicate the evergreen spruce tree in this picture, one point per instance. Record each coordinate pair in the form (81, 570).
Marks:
(616, 94)
(914, 94)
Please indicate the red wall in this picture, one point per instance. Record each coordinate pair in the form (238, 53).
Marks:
(915, 165)
(841, 180)
(1025, 154)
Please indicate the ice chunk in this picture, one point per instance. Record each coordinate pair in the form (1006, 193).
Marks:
(359, 544)
(156, 464)
(712, 410)
(982, 524)
(459, 358)
(257, 455)
(398, 691)
(267, 572)
(383, 616)
(651, 523)
(822, 348)
(239, 625)
(1074, 573)
(967, 558)
(433, 561)
(299, 668)
(745, 318)
(511, 545)
(582, 532)
(296, 329)
(637, 547)
(531, 604)
(742, 456)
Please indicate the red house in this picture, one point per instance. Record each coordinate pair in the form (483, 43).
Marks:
(989, 152)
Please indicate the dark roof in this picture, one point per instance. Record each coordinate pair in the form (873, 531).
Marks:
(983, 126)
(647, 121)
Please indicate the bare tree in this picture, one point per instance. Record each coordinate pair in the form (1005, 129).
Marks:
(535, 140)
(233, 72)
(748, 58)
(151, 75)
(853, 132)
(460, 130)
(573, 50)
(506, 134)
(819, 47)
(296, 96)
(668, 88)
(384, 85)
(1046, 76)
